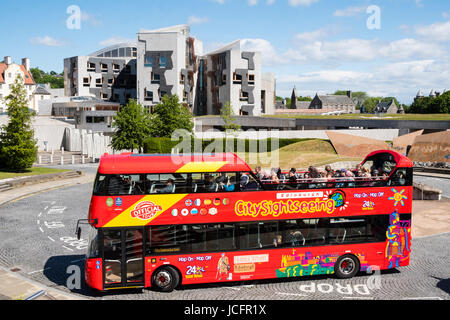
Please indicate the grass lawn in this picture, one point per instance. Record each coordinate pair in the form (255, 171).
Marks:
(300, 155)
(4, 174)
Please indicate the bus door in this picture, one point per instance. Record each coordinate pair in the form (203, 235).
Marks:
(123, 258)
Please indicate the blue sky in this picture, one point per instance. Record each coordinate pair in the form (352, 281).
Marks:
(317, 45)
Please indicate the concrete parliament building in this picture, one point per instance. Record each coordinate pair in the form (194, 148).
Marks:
(170, 61)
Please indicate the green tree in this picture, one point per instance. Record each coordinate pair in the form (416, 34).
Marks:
(170, 115)
(18, 150)
(133, 127)
(229, 117)
(56, 80)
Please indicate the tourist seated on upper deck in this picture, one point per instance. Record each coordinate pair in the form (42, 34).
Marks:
(366, 173)
(210, 184)
(266, 176)
(229, 184)
(258, 173)
(292, 177)
(328, 171)
(274, 178)
(168, 188)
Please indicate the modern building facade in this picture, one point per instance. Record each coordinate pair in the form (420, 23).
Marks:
(169, 61)
(108, 74)
(232, 76)
(8, 74)
(167, 64)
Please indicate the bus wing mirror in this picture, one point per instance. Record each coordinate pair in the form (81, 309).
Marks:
(79, 233)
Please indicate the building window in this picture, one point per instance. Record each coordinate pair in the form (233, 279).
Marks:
(251, 79)
(90, 67)
(116, 67)
(243, 96)
(155, 78)
(86, 82)
(182, 78)
(104, 96)
(237, 78)
(224, 79)
(99, 82)
(162, 62)
(148, 95)
(104, 67)
(110, 82)
(148, 62)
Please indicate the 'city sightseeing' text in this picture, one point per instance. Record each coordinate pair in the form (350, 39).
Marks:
(269, 208)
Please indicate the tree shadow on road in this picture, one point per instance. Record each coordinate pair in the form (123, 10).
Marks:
(443, 284)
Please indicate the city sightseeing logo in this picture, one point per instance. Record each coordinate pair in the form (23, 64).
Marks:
(145, 210)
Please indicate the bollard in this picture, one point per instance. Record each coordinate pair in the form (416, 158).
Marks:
(83, 161)
(40, 159)
(73, 159)
(62, 160)
(51, 158)
(62, 150)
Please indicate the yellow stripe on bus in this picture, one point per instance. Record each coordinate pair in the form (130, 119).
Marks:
(193, 167)
(125, 219)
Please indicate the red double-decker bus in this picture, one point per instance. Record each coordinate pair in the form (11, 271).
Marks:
(161, 221)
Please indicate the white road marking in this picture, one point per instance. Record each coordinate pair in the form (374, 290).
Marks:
(41, 229)
(67, 248)
(39, 270)
(291, 294)
(51, 239)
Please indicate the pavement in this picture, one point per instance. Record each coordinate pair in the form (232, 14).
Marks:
(12, 285)
(430, 218)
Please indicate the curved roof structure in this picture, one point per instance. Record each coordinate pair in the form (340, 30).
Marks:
(117, 46)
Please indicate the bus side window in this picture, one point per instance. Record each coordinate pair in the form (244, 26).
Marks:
(248, 183)
(399, 177)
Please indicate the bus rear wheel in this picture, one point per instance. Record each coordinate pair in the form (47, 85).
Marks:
(165, 279)
(346, 267)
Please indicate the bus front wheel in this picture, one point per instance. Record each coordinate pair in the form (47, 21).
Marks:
(347, 267)
(165, 279)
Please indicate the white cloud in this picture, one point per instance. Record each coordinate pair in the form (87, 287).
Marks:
(270, 2)
(218, 1)
(46, 41)
(350, 11)
(439, 31)
(401, 79)
(197, 20)
(445, 15)
(315, 35)
(114, 40)
(304, 3)
(252, 2)
(269, 54)
(419, 3)
(90, 18)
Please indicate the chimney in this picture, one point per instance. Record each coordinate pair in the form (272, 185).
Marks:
(26, 63)
(349, 94)
(7, 60)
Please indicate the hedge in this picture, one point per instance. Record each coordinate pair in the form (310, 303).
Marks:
(165, 145)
